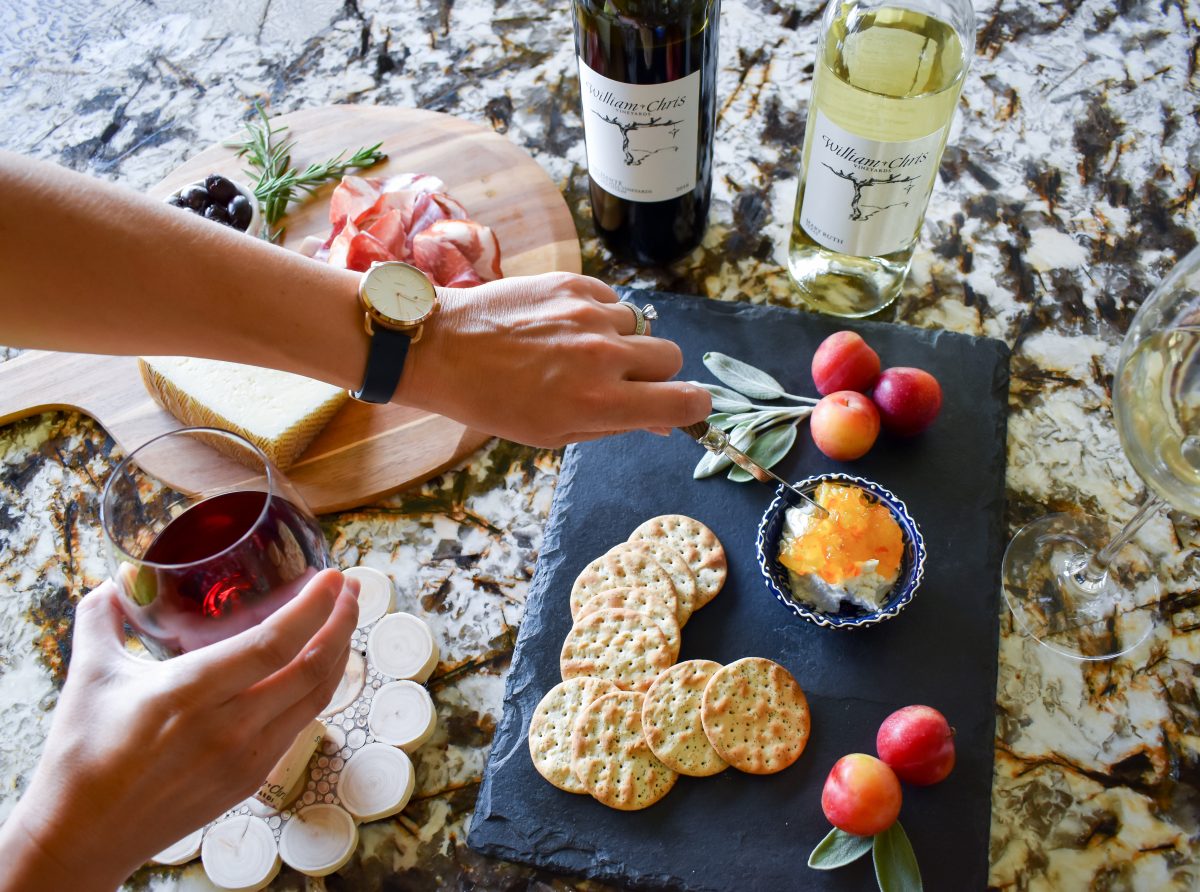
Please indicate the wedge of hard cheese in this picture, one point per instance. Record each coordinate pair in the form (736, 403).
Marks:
(279, 412)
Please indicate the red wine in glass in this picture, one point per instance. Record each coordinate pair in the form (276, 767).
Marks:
(195, 568)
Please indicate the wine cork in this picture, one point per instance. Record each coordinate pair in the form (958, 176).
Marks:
(318, 840)
(374, 594)
(182, 851)
(403, 715)
(377, 782)
(402, 646)
(350, 685)
(284, 780)
(240, 854)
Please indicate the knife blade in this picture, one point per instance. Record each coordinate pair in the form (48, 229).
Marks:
(717, 441)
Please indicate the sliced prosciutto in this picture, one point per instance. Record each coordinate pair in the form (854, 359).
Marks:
(407, 217)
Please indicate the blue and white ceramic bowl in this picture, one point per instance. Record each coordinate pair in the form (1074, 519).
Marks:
(850, 616)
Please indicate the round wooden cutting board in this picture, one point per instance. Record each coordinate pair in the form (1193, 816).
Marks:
(365, 451)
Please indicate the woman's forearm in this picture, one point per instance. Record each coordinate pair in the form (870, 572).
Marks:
(89, 267)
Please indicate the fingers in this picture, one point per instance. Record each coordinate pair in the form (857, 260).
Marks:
(314, 673)
(99, 623)
(641, 404)
(229, 667)
(653, 359)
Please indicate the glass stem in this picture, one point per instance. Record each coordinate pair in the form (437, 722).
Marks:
(1097, 565)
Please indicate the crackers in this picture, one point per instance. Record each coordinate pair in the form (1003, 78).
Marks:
(671, 719)
(553, 723)
(697, 544)
(611, 758)
(624, 646)
(755, 715)
(622, 566)
(659, 606)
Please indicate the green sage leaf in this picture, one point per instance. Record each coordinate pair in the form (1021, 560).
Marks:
(724, 399)
(767, 450)
(722, 421)
(743, 377)
(838, 849)
(712, 463)
(896, 867)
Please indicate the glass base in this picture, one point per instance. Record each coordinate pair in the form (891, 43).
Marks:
(1063, 608)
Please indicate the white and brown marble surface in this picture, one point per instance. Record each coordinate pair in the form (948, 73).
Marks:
(1068, 188)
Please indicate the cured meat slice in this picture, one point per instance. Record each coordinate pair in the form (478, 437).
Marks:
(475, 241)
(429, 208)
(364, 250)
(351, 197)
(443, 262)
(390, 231)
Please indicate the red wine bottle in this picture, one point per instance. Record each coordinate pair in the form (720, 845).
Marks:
(222, 566)
(647, 79)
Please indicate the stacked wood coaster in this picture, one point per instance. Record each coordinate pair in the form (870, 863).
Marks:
(628, 719)
(349, 766)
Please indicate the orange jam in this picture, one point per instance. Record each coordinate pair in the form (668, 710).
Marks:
(856, 530)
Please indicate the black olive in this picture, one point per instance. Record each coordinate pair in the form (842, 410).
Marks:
(195, 197)
(240, 213)
(217, 212)
(221, 189)
(176, 201)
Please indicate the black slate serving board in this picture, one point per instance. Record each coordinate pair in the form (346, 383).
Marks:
(736, 831)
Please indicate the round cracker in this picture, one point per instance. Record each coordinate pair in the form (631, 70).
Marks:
(611, 758)
(698, 545)
(682, 577)
(755, 715)
(671, 719)
(652, 602)
(624, 646)
(551, 726)
(623, 566)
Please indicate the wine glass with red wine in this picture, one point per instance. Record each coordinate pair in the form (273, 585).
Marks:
(197, 567)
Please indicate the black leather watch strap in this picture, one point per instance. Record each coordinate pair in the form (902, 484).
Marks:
(385, 362)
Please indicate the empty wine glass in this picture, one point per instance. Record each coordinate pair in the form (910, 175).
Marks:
(1075, 582)
(196, 567)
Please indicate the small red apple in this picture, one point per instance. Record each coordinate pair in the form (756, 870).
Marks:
(908, 400)
(861, 795)
(844, 361)
(918, 743)
(844, 425)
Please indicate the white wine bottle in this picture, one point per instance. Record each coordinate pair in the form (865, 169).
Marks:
(647, 84)
(885, 85)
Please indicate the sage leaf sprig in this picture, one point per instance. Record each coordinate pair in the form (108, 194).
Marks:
(278, 184)
(896, 867)
(765, 433)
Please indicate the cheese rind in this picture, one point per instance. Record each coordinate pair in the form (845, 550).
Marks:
(278, 412)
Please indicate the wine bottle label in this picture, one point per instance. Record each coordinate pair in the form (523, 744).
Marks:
(863, 196)
(641, 138)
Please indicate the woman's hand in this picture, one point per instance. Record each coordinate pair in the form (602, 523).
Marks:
(141, 753)
(546, 360)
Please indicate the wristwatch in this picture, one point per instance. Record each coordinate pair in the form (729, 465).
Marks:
(397, 299)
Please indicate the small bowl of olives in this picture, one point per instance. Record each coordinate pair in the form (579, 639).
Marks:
(222, 200)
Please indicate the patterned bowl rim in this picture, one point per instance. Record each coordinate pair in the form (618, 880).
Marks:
(772, 573)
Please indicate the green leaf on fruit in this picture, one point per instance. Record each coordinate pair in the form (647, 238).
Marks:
(896, 867)
(724, 399)
(743, 377)
(838, 849)
(768, 450)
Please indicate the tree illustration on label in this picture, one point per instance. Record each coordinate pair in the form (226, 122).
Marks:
(856, 212)
(635, 155)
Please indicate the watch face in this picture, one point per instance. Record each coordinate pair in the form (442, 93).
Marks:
(399, 291)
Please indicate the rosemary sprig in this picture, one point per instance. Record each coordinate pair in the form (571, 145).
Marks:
(765, 433)
(278, 184)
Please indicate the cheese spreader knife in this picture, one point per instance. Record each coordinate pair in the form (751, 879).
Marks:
(717, 441)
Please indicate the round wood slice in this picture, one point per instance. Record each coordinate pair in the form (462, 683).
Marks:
(366, 451)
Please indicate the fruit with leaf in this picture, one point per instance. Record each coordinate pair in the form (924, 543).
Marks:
(861, 795)
(844, 425)
(844, 361)
(918, 743)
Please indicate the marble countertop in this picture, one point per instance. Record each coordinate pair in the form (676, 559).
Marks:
(1068, 188)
